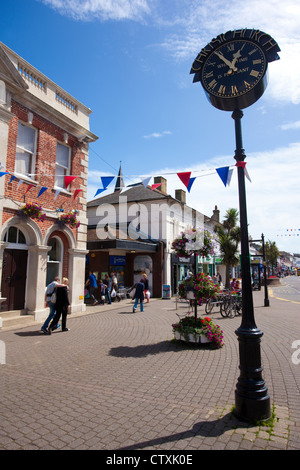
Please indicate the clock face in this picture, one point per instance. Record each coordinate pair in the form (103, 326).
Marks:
(234, 69)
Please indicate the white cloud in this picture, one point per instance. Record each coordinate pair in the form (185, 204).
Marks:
(290, 126)
(157, 135)
(86, 10)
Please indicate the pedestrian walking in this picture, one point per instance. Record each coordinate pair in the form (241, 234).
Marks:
(49, 291)
(107, 282)
(61, 306)
(91, 283)
(146, 283)
(102, 292)
(139, 296)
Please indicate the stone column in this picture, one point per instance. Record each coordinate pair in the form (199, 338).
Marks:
(36, 281)
(76, 279)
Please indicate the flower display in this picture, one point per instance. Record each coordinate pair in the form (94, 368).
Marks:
(194, 240)
(33, 210)
(202, 287)
(68, 219)
(197, 327)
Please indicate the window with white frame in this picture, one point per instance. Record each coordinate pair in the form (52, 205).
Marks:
(62, 166)
(26, 150)
(55, 257)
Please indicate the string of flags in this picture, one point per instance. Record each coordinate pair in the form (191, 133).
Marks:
(67, 180)
(225, 174)
(290, 232)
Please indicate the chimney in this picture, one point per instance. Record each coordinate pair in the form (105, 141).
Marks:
(180, 195)
(163, 187)
(216, 215)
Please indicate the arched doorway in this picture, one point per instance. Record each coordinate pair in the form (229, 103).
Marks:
(14, 269)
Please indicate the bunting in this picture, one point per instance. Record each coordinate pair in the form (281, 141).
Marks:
(225, 173)
(42, 190)
(185, 177)
(76, 192)
(68, 180)
(155, 186)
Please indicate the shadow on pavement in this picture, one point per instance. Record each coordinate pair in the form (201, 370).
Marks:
(204, 428)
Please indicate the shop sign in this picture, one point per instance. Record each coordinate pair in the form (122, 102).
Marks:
(184, 259)
(115, 260)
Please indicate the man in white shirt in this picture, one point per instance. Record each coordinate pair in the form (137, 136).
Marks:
(49, 291)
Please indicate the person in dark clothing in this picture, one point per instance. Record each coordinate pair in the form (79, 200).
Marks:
(139, 296)
(146, 283)
(61, 306)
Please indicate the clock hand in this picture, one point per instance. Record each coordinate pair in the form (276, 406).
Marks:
(236, 56)
(227, 62)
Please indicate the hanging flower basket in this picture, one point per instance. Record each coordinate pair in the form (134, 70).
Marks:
(32, 210)
(199, 330)
(68, 219)
(195, 241)
(200, 287)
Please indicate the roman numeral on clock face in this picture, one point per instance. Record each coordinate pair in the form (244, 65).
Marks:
(213, 83)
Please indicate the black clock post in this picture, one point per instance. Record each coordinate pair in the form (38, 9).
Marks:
(252, 401)
(232, 69)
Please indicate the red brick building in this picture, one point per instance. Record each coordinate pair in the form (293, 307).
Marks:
(44, 145)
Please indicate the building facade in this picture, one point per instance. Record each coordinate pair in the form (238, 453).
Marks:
(131, 232)
(44, 150)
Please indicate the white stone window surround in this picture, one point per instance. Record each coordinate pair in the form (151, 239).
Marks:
(25, 160)
(62, 166)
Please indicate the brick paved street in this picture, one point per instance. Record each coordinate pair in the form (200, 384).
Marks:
(116, 381)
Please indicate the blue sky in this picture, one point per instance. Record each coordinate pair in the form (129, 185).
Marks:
(129, 61)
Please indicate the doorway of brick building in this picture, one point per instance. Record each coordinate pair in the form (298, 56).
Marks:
(13, 285)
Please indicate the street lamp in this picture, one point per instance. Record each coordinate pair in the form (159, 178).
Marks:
(252, 401)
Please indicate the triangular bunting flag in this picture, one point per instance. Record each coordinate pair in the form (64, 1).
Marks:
(99, 191)
(223, 173)
(146, 181)
(106, 180)
(189, 186)
(230, 173)
(19, 183)
(241, 164)
(3, 173)
(185, 177)
(29, 187)
(11, 179)
(68, 180)
(247, 174)
(76, 192)
(155, 186)
(57, 192)
(42, 190)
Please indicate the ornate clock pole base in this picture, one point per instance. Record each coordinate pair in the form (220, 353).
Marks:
(252, 402)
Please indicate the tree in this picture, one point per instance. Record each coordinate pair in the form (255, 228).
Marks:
(272, 253)
(229, 236)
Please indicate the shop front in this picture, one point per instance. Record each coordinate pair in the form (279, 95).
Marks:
(128, 260)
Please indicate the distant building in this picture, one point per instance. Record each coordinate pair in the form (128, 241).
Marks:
(132, 231)
(44, 142)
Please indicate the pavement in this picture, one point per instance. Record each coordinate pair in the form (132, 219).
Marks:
(117, 382)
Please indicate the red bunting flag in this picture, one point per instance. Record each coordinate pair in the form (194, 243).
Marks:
(29, 187)
(241, 164)
(185, 177)
(76, 192)
(68, 180)
(155, 186)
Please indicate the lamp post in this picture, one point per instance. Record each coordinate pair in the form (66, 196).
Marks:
(252, 402)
